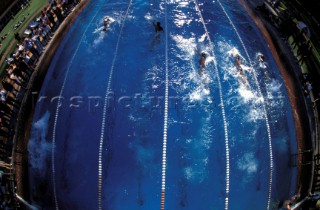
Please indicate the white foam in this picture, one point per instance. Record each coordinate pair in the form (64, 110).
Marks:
(209, 59)
(98, 29)
(262, 65)
(206, 91)
(245, 93)
(246, 68)
(190, 80)
(183, 3)
(202, 38)
(181, 20)
(199, 93)
(196, 95)
(255, 114)
(149, 17)
(187, 45)
(99, 39)
(233, 52)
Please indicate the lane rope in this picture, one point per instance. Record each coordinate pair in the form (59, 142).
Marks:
(105, 105)
(165, 123)
(224, 118)
(57, 113)
(263, 105)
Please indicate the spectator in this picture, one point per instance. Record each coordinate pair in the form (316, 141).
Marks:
(17, 37)
(5, 165)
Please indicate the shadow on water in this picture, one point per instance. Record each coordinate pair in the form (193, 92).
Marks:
(183, 196)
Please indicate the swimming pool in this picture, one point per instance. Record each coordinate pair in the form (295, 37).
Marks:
(125, 121)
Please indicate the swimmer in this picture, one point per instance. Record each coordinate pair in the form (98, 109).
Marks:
(158, 27)
(237, 60)
(263, 66)
(204, 77)
(238, 64)
(106, 22)
(261, 58)
(202, 61)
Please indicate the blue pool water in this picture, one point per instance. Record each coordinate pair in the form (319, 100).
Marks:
(124, 118)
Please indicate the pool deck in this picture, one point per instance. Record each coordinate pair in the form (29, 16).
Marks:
(284, 59)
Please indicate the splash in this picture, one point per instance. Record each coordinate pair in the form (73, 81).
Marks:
(196, 95)
(201, 91)
(262, 65)
(246, 68)
(39, 147)
(99, 29)
(181, 20)
(102, 31)
(186, 45)
(245, 93)
(184, 3)
(190, 80)
(255, 114)
(248, 94)
(149, 17)
(233, 52)
(99, 39)
(202, 38)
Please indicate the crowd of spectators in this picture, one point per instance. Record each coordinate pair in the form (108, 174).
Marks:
(290, 25)
(14, 83)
